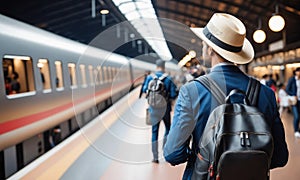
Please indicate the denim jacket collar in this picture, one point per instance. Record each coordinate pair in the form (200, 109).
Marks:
(225, 67)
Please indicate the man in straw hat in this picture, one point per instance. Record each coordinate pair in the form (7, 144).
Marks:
(224, 46)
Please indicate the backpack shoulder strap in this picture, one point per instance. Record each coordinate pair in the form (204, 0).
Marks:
(212, 86)
(162, 77)
(153, 75)
(253, 91)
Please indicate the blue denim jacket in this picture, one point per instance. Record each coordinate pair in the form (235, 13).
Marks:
(193, 107)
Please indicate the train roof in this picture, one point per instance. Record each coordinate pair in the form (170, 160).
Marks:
(22, 31)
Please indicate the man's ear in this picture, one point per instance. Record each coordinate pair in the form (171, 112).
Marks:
(210, 51)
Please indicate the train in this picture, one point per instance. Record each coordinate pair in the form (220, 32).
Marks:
(62, 85)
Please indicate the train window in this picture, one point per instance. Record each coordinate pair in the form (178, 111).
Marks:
(112, 73)
(115, 73)
(83, 75)
(59, 76)
(43, 65)
(18, 76)
(117, 77)
(104, 74)
(100, 75)
(91, 75)
(72, 74)
(96, 79)
(109, 74)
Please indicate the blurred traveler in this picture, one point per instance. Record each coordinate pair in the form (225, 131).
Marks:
(271, 83)
(55, 136)
(8, 85)
(197, 71)
(283, 99)
(264, 79)
(180, 80)
(157, 114)
(293, 89)
(42, 76)
(15, 85)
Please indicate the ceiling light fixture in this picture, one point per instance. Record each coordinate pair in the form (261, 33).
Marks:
(276, 22)
(103, 14)
(104, 11)
(192, 53)
(259, 36)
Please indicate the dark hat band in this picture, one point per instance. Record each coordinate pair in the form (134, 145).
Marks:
(220, 43)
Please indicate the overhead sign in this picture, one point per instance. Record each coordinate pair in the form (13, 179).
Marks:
(276, 45)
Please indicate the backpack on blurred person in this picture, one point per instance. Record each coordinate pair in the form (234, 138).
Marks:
(237, 141)
(157, 94)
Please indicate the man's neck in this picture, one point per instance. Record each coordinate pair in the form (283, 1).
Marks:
(160, 69)
(217, 60)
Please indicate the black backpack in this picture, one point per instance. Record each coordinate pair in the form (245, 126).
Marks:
(157, 95)
(236, 142)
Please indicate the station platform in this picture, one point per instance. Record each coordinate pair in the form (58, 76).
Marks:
(117, 146)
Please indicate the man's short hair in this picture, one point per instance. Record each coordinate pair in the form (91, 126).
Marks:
(297, 69)
(160, 63)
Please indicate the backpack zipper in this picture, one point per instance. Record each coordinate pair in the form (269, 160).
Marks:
(244, 137)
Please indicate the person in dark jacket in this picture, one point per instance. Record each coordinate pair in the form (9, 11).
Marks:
(293, 89)
(224, 46)
(15, 84)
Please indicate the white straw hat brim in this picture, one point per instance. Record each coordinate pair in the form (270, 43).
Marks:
(243, 57)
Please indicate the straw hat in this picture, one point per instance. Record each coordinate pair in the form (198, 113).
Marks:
(227, 36)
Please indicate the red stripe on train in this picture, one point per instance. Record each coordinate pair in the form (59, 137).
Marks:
(26, 120)
(23, 121)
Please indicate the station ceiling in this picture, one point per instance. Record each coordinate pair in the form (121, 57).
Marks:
(76, 20)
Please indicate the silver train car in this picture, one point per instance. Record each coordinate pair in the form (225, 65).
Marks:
(61, 85)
